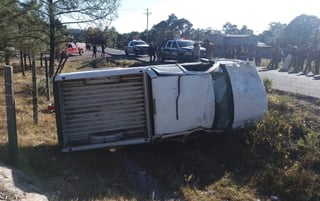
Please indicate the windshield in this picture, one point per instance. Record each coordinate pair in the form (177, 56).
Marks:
(141, 43)
(185, 43)
(223, 98)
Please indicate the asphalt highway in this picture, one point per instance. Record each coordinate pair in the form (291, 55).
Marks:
(308, 85)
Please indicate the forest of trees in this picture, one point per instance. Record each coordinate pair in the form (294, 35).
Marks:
(32, 26)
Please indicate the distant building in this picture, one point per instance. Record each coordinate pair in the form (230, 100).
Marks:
(235, 40)
(237, 45)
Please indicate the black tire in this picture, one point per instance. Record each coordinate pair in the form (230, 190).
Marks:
(163, 59)
(180, 58)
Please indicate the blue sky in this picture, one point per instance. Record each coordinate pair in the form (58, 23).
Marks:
(256, 14)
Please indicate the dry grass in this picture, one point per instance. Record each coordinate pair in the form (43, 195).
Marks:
(29, 134)
(234, 166)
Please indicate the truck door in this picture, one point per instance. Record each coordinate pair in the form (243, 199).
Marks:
(174, 50)
(167, 50)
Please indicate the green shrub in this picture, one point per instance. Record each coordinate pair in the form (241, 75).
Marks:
(286, 153)
(267, 84)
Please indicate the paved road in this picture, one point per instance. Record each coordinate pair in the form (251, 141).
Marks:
(308, 85)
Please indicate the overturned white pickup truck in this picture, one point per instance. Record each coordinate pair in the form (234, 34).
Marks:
(116, 107)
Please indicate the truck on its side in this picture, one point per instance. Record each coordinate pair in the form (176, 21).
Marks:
(116, 107)
(75, 48)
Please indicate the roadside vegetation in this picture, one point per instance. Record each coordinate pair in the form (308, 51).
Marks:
(280, 156)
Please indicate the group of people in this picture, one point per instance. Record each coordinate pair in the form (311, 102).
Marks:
(275, 59)
(154, 51)
(196, 53)
(94, 50)
(303, 60)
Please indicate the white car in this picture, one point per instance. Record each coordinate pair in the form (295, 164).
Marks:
(136, 47)
(180, 50)
(111, 108)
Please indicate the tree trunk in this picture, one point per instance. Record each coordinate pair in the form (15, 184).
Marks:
(21, 63)
(29, 58)
(52, 37)
(25, 60)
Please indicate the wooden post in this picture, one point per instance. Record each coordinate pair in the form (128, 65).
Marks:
(34, 92)
(11, 111)
(47, 78)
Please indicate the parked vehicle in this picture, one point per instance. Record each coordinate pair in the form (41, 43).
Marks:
(110, 108)
(136, 47)
(75, 48)
(179, 50)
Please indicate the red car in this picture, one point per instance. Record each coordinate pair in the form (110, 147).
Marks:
(75, 48)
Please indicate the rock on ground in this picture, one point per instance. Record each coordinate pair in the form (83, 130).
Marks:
(16, 186)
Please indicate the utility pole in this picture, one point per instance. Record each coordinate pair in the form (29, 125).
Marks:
(148, 13)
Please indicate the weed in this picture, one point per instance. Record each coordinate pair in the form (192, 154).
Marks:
(267, 84)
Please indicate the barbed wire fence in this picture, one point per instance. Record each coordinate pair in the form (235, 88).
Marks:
(8, 90)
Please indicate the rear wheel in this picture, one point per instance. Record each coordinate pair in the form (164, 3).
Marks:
(163, 59)
(180, 58)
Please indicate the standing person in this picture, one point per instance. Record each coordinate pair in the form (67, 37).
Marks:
(294, 58)
(94, 50)
(276, 58)
(102, 50)
(158, 52)
(317, 62)
(301, 56)
(152, 53)
(196, 52)
(209, 49)
(88, 46)
(258, 57)
(310, 58)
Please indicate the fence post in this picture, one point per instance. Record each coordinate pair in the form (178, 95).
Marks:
(34, 92)
(11, 111)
